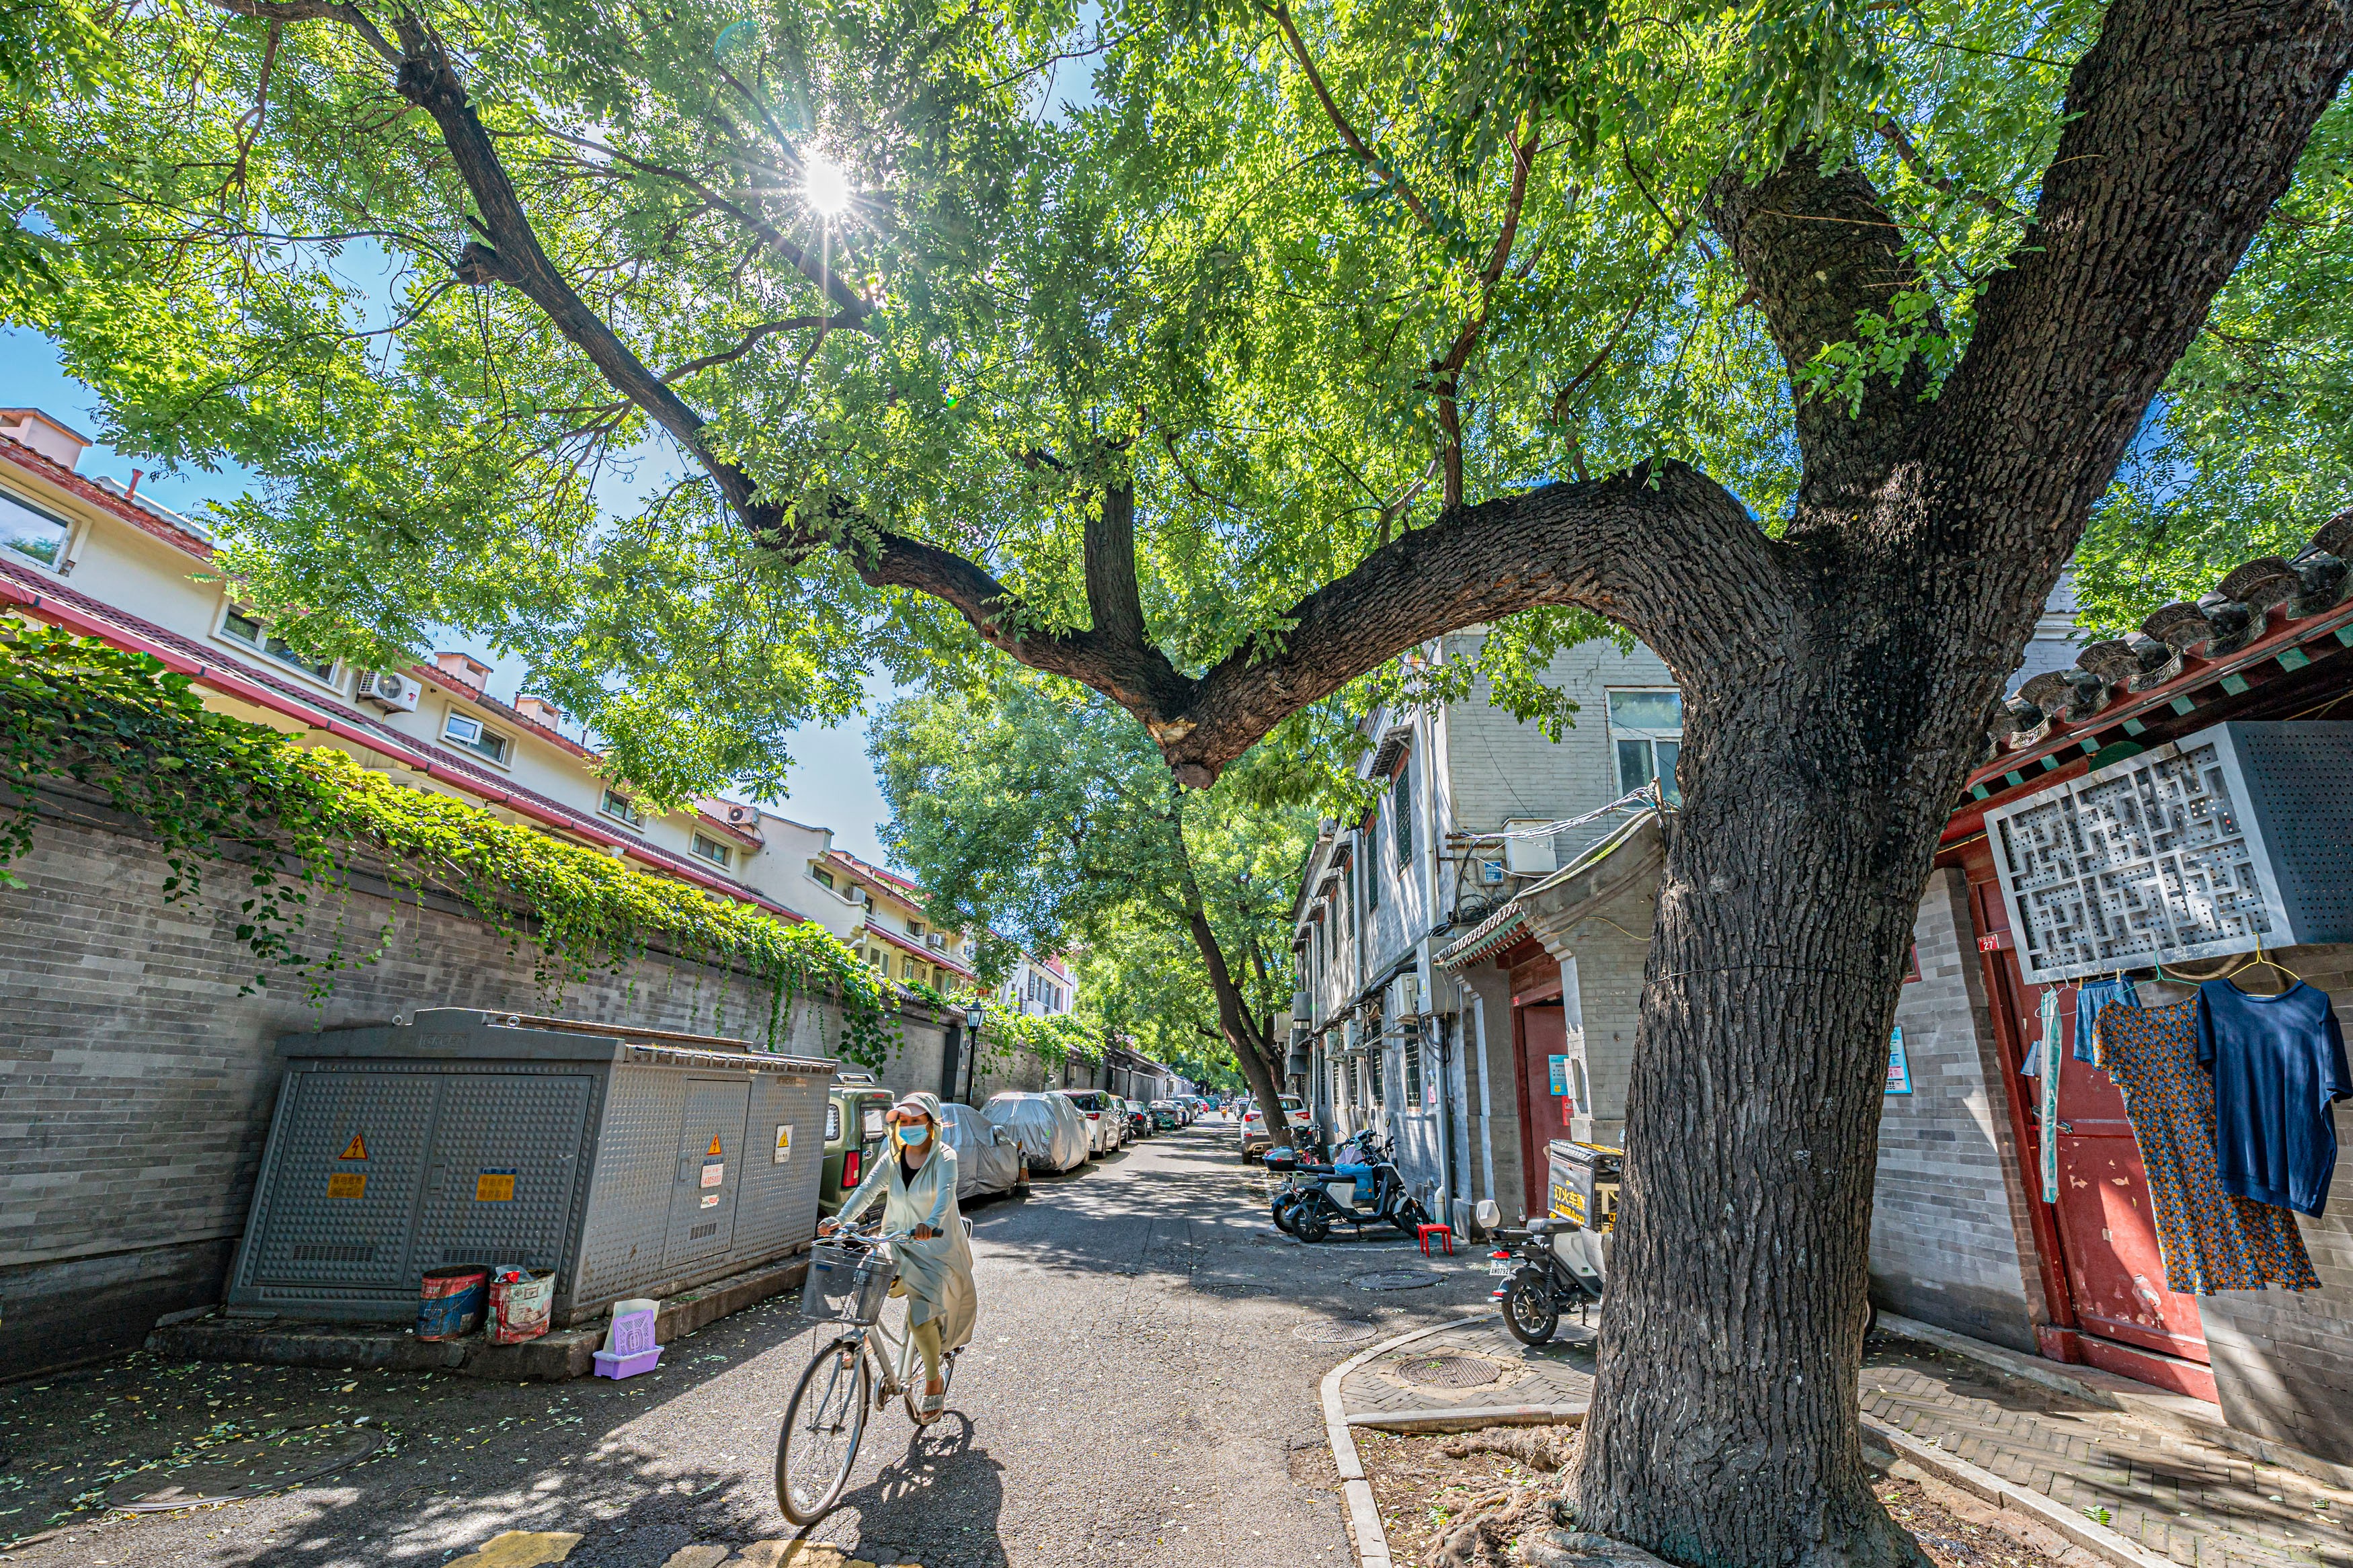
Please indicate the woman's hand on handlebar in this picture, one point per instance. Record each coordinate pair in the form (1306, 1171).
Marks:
(922, 1233)
(828, 1226)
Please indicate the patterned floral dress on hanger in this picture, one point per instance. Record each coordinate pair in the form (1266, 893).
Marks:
(2211, 1240)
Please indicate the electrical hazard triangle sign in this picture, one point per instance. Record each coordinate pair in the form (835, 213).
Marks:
(714, 1152)
(358, 1150)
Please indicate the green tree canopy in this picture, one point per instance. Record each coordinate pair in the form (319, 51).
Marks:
(1039, 812)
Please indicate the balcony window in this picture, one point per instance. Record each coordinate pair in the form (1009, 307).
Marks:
(916, 928)
(616, 806)
(1401, 814)
(464, 730)
(31, 532)
(1646, 731)
(247, 631)
(711, 849)
(825, 880)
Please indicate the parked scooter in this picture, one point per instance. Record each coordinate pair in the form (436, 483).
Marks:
(1376, 1194)
(1549, 1267)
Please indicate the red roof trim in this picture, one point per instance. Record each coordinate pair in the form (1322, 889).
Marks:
(56, 473)
(895, 883)
(80, 613)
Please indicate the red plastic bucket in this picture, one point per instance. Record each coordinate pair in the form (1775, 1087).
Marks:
(450, 1300)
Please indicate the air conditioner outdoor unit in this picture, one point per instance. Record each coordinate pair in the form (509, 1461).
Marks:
(739, 815)
(1405, 999)
(388, 689)
(937, 940)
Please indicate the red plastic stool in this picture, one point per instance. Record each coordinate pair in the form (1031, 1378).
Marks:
(1445, 1234)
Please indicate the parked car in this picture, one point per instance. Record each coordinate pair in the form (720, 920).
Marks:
(1102, 1122)
(854, 1108)
(1167, 1116)
(988, 1158)
(1139, 1120)
(1253, 1133)
(1053, 1134)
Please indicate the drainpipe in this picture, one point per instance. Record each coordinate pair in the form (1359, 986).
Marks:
(1486, 1118)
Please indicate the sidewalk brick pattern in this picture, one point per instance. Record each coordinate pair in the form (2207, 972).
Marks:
(2189, 1500)
(2204, 1506)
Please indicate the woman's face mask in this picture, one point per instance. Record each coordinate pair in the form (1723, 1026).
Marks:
(914, 1134)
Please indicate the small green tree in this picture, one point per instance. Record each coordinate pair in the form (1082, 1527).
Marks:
(1040, 810)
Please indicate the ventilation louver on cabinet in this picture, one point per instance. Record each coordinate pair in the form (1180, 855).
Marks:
(2228, 840)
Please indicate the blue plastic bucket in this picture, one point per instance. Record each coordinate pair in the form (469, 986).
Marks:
(451, 1301)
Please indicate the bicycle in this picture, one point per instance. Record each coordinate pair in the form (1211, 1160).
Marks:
(850, 1280)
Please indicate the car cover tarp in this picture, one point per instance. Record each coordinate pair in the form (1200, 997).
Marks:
(1050, 1129)
(982, 1164)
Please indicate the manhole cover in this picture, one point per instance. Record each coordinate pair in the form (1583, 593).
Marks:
(1394, 1279)
(1445, 1369)
(1334, 1333)
(226, 1471)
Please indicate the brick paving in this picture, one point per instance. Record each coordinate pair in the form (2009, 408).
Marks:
(2204, 1506)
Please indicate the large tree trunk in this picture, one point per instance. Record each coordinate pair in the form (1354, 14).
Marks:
(1723, 1426)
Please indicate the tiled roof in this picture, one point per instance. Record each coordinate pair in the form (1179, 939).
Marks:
(2271, 629)
(127, 508)
(24, 586)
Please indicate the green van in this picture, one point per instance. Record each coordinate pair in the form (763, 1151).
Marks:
(854, 1109)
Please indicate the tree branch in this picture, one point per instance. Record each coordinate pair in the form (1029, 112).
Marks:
(751, 341)
(283, 11)
(1115, 602)
(1892, 131)
(1818, 249)
(2185, 122)
(1365, 154)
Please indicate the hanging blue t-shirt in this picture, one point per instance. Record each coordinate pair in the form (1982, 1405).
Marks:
(2277, 1062)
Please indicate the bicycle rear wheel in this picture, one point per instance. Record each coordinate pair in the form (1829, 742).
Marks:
(818, 1442)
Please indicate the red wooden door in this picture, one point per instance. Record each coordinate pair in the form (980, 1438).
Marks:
(2107, 1226)
(1544, 1035)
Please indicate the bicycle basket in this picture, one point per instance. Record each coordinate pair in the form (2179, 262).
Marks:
(845, 1285)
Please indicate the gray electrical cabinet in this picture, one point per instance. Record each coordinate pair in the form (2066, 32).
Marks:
(629, 1161)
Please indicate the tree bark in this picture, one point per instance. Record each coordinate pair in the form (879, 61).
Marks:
(1254, 1050)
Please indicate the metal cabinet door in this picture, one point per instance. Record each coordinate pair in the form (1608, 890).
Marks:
(710, 1163)
(350, 1148)
(506, 1168)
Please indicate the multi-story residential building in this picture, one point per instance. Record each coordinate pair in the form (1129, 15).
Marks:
(1473, 810)
(89, 553)
(1043, 986)
(892, 929)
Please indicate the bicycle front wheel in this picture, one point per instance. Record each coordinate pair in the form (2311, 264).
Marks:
(822, 1427)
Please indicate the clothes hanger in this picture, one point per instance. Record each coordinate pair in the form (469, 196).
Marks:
(2260, 961)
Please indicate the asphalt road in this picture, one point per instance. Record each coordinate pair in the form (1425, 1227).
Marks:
(1141, 1388)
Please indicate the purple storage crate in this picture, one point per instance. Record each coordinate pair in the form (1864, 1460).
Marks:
(611, 1365)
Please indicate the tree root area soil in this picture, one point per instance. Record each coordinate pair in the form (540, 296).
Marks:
(1462, 1501)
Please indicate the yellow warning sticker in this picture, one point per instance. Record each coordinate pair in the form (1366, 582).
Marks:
(713, 1151)
(494, 1187)
(784, 1141)
(356, 1151)
(347, 1184)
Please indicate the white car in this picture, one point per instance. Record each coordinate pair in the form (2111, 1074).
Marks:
(1254, 1135)
(1106, 1121)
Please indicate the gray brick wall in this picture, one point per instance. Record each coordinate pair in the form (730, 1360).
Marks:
(136, 1084)
(2283, 1361)
(1950, 1237)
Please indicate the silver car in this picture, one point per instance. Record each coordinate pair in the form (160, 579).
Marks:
(988, 1158)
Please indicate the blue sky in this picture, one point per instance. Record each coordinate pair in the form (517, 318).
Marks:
(832, 779)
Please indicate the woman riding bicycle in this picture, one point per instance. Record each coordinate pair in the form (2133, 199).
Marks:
(934, 1262)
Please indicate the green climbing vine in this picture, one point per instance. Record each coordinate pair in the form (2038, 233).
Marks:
(222, 794)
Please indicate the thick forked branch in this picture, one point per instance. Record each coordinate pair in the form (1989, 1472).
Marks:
(1114, 602)
(1819, 250)
(283, 11)
(2186, 122)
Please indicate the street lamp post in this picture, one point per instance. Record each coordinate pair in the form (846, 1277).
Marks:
(973, 1016)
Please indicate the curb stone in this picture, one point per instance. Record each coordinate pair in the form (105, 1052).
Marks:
(2080, 1528)
(1372, 1542)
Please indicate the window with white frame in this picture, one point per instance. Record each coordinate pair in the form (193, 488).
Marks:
(619, 807)
(247, 631)
(31, 532)
(1646, 733)
(1401, 814)
(707, 848)
(466, 730)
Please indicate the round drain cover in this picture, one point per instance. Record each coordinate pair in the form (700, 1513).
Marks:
(1446, 1369)
(1395, 1279)
(1335, 1331)
(226, 1471)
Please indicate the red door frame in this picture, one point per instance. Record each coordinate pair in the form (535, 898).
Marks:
(1535, 979)
(2065, 1338)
